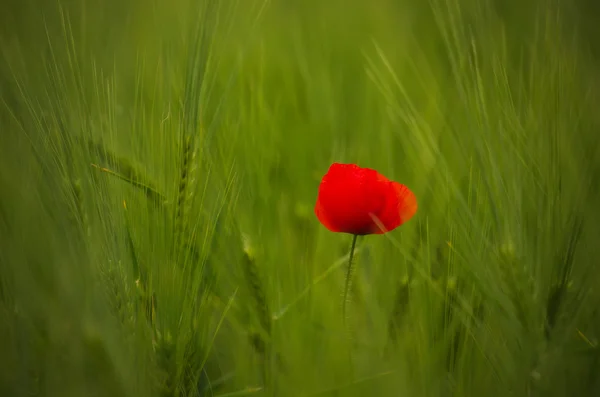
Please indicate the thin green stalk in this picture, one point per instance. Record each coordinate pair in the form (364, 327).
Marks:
(349, 275)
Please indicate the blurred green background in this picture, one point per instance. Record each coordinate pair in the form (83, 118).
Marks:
(159, 165)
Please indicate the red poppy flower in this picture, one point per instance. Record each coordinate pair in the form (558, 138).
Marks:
(354, 200)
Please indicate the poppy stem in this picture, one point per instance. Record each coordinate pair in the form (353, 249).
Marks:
(349, 275)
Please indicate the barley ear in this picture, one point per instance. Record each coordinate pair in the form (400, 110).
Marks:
(184, 189)
(400, 308)
(260, 341)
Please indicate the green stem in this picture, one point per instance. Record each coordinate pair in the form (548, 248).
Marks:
(349, 275)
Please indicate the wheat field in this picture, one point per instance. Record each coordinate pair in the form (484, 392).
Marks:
(159, 166)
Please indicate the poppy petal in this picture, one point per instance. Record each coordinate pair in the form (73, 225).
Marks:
(407, 202)
(361, 201)
(400, 206)
(341, 204)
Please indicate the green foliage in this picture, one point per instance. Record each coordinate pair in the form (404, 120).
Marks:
(159, 162)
